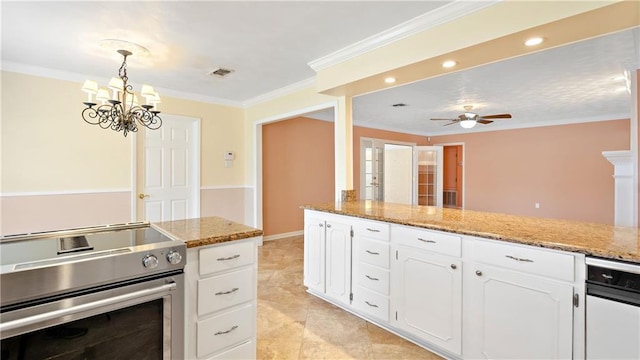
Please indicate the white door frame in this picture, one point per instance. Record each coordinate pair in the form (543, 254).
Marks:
(257, 140)
(195, 171)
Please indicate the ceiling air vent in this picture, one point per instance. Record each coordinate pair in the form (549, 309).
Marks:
(220, 72)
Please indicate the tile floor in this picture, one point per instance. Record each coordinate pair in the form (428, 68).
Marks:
(295, 325)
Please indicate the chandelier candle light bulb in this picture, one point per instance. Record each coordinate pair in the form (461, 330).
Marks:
(121, 112)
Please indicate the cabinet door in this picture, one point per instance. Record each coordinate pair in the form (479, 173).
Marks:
(338, 261)
(427, 296)
(314, 246)
(511, 315)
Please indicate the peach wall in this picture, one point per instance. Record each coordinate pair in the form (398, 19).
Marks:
(297, 163)
(560, 167)
(360, 132)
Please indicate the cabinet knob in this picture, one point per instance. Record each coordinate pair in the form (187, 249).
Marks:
(321, 224)
(453, 266)
(478, 272)
(328, 225)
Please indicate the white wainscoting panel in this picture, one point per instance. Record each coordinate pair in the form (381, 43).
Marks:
(32, 212)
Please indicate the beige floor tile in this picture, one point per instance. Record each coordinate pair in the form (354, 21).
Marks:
(326, 350)
(278, 350)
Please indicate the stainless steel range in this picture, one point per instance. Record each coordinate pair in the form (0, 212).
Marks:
(107, 292)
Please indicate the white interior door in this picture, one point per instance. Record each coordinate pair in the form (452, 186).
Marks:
(429, 166)
(168, 176)
(398, 173)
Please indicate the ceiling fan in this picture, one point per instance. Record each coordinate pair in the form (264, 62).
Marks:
(470, 119)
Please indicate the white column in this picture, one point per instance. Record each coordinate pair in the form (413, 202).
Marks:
(343, 138)
(623, 174)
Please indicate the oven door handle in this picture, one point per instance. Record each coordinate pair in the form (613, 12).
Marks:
(30, 320)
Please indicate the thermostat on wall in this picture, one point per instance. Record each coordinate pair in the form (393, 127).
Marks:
(229, 155)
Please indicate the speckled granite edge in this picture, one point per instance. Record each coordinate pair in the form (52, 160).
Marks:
(207, 231)
(592, 239)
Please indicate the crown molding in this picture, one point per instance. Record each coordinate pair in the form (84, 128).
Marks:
(286, 90)
(80, 78)
(449, 12)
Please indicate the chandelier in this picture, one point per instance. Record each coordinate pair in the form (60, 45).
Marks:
(121, 111)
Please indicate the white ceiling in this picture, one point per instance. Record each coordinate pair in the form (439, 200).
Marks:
(573, 83)
(269, 45)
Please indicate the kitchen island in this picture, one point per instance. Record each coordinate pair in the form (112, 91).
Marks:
(601, 240)
(221, 286)
(464, 284)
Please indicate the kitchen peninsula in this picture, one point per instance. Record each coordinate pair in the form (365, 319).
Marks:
(221, 286)
(464, 284)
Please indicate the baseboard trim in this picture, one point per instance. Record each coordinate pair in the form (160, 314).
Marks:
(283, 235)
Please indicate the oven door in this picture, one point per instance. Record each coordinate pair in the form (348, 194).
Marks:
(141, 319)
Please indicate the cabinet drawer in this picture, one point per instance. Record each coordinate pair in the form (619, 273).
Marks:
(523, 258)
(373, 278)
(371, 229)
(373, 252)
(371, 303)
(226, 290)
(224, 330)
(443, 243)
(225, 257)
(240, 352)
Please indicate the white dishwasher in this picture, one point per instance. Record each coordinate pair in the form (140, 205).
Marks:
(613, 310)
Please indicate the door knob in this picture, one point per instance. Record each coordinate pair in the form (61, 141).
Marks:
(142, 196)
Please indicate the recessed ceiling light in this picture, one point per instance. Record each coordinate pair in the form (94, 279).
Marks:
(449, 64)
(390, 80)
(534, 41)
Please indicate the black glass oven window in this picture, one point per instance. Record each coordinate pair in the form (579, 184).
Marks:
(130, 333)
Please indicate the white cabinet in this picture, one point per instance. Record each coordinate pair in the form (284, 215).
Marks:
(371, 260)
(426, 292)
(462, 297)
(327, 255)
(221, 300)
(510, 311)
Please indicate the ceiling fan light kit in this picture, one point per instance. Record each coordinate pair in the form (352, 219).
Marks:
(469, 119)
(468, 124)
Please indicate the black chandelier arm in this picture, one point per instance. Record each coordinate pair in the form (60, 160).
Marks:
(147, 118)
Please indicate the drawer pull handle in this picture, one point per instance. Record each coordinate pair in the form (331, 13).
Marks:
(518, 259)
(427, 241)
(608, 277)
(226, 332)
(372, 278)
(227, 292)
(373, 252)
(372, 305)
(228, 258)
(373, 230)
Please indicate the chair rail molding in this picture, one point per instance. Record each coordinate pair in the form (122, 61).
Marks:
(623, 174)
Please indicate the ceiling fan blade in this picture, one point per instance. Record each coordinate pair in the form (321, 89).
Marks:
(497, 116)
(485, 121)
(443, 119)
(451, 123)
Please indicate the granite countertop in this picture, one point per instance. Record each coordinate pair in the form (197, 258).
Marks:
(622, 243)
(207, 230)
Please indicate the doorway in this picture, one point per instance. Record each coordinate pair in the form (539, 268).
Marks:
(453, 176)
(168, 170)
